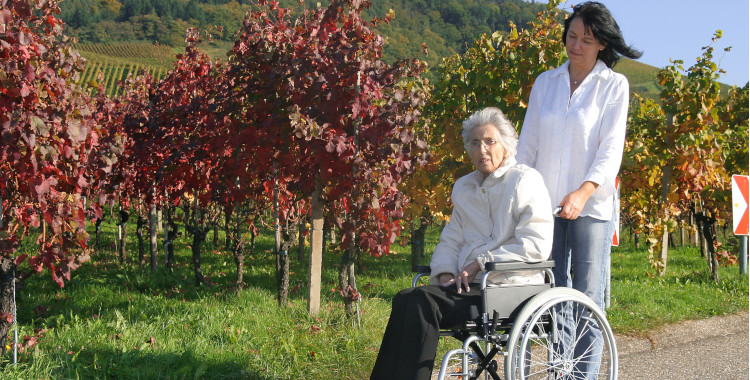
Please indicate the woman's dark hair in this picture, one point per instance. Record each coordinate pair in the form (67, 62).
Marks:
(596, 17)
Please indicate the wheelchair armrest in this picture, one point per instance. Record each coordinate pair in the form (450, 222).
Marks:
(421, 271)
(494, 266)
(420, 268)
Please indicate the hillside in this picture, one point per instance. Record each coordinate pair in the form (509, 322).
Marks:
(120, 36)
(641, 77)
(445, 26)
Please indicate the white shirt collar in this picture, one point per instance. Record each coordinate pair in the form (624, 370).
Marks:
(509, 162)
(600, 70)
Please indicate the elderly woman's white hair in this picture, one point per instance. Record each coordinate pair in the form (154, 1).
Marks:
(495, 117)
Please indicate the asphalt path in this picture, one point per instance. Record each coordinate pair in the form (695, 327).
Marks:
(713, 348)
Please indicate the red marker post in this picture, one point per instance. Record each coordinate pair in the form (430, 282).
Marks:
(741, 215)
(615, 243)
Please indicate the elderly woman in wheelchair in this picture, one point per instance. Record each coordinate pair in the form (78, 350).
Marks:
(482, 292)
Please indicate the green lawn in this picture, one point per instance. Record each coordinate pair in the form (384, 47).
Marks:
(115, 321)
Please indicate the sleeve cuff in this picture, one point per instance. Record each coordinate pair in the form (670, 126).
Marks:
(605, 187)
(436, 271)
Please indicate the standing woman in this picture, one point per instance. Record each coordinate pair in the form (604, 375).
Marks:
(573, 134)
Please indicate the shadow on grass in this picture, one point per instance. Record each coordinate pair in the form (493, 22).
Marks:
(141, 364)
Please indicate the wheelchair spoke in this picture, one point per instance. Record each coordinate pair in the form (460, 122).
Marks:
(563, 340)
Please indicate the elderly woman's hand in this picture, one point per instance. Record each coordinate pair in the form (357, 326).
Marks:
(467, 275)
(446, 279)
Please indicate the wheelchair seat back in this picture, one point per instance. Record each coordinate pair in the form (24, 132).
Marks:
(507, 300)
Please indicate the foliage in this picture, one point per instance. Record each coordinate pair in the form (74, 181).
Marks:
(641, 168)
(294, 102)
(53, 150)
(685, 145)
(498, 70)
(50, 141)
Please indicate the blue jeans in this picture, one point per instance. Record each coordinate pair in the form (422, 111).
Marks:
(581, 250)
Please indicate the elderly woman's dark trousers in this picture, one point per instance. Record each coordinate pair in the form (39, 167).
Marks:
(411, 336)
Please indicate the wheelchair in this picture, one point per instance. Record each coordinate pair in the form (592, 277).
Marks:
(540, 331)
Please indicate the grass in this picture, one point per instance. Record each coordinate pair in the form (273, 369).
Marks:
(114, 321)
(642, 301)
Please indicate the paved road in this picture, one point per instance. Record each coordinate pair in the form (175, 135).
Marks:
(711, 349)
(714, 348)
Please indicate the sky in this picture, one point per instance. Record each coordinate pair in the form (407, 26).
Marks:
(678, 29)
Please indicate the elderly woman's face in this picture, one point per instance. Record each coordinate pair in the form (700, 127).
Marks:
(485, 149)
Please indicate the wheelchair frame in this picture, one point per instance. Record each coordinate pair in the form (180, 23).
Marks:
(527, 324)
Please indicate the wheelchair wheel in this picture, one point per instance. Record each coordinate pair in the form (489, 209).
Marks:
(561, 334)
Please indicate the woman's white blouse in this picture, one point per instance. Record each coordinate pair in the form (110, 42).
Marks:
(506, 217)
(578, 138)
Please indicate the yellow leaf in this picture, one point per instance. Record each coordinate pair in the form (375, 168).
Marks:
(514, 34)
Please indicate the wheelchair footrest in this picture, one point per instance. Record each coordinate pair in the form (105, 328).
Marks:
(470, 361)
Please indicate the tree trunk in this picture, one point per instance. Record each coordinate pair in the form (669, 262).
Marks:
(227, 228)
(238, 248)
(170, 234)
(186, 217)
(7, 277)
(153, 235)
(160, 220)
(165, 228)
(216, 234)
(301, 241)
(707, 225)
(637, 241)
(253, 235)
(316, 250)
(672, 240)
(666, 181)
(696, 234)
(98, 233)
(282, 263)
(282, 253)
(140, 226)
(682, 233)
(199, 230)
(122, 227)
(630, 233)
(199, 236)
(417, 242)
(325, 238)
(347, 282)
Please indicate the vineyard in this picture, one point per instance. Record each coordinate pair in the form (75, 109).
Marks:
(116, 61)
(304, 137)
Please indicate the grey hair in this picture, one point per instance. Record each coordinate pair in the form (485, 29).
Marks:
(495, 117)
